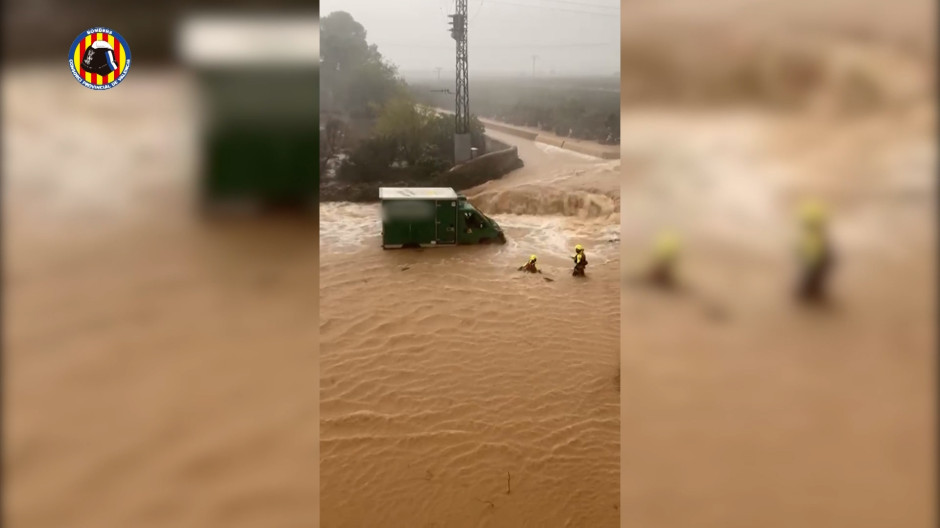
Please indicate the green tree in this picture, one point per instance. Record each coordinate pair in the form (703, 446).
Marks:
(407, 124)
(355, 78)
(332, 139)
(343, 44)
(370, 161)
(477, 137)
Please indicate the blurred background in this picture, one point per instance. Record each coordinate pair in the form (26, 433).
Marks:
(744, 404)
(160, 263)
(160, 364)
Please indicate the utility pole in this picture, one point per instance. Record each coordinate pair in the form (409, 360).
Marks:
(458, 32)
(534, 58)
(438, 73)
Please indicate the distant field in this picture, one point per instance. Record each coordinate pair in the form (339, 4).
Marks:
(490, 94)
(584, 106)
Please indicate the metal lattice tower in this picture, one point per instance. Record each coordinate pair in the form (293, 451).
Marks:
(462, 114)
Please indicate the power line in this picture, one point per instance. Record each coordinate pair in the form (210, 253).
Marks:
(614, 8)
(477, 12)
(582, 4)
(512, 46)
(556, 45)
(553, 8)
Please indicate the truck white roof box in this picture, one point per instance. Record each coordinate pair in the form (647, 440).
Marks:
(236, 40)
(417, 193)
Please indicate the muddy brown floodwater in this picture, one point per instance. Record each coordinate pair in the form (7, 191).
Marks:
(158, 371)
(740, 409)
(458, 392)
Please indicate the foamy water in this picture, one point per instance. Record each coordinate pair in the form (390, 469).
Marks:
(703, 174)
(351, 228)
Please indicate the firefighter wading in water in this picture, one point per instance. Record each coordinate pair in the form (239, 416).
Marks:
(530, 266)
(662, 270)
(580, 260)
(815, 254)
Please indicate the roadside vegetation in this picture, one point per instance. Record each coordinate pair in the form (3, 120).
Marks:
(373, 129)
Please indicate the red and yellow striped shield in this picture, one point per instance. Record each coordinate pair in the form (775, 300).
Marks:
(96, 74)
(120, 57)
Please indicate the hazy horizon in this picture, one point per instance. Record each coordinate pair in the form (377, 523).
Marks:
(569, 39)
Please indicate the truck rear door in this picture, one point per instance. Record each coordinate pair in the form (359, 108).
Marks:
(446, 221)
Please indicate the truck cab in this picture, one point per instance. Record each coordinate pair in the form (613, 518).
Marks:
(430, 217)
(476, 227)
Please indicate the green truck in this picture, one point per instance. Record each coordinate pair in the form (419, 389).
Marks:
(259, 106)
(433, 216)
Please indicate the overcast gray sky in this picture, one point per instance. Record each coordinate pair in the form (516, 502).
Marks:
(571, 37)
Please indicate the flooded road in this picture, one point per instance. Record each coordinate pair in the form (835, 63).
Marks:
(158, 370)
(740, 408)
(456, 391)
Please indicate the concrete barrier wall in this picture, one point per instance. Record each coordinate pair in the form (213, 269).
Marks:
(609, 152)
(581, 147)
(493, 145)
(490, 166)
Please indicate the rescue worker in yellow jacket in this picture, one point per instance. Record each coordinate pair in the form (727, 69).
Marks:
(815, 253)
(580, 260)
(531, 266)
(662, 269)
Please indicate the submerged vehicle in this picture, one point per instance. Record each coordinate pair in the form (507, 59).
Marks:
(258, 117)
(433, 216)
